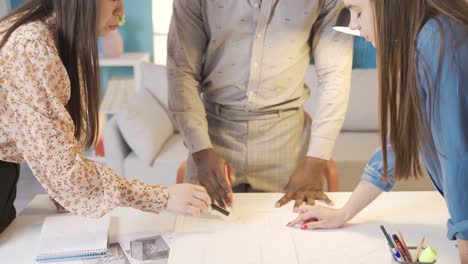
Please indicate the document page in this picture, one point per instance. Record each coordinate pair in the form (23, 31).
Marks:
(243, 237)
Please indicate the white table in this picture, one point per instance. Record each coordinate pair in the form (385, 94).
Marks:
(415, 214)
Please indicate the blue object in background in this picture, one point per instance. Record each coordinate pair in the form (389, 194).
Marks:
(15, 3)
(364, 56)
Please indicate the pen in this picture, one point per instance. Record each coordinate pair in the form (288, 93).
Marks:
(390, 243)
(219, 209)
(419, 248)
(397, 255)
(389, 240)
(405, 247)
(400, 247)
(228, 177)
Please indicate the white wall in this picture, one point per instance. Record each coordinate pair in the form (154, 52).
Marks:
(162, 12)
(4, 7)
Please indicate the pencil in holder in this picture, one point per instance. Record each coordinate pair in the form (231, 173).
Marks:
(412, 251)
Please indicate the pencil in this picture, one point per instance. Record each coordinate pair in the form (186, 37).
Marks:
(389, 240)
(405, 247)
(398, 255)
(419, 249)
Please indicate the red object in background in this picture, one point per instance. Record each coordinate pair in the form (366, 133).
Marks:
(99, 150)
(112, 44)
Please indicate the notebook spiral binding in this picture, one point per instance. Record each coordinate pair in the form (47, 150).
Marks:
(72, 255)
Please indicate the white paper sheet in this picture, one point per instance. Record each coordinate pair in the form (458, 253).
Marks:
(256, 237)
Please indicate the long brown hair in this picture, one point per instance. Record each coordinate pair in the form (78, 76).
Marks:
(397, 24)
(76, 40)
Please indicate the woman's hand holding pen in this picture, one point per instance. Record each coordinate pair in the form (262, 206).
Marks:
(188, 198)
(319, 217)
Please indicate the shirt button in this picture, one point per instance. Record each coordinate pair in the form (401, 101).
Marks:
(259, 35)
(255, 64)
(257, 5)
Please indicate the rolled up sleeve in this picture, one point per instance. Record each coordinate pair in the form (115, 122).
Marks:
(374, 170)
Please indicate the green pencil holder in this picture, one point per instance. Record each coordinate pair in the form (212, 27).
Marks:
(412, 251)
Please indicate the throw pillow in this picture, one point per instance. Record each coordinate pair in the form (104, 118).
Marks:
(145, 125)
(155, 80)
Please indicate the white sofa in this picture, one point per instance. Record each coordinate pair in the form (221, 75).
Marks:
(356, 143)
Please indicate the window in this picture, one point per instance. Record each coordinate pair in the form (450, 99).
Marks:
(162, 12)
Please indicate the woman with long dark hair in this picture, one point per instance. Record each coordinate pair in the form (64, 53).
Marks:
(49, 75)
(422, 57)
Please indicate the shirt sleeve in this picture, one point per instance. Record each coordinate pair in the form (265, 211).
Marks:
(374, 170)
(187, 42)
(333, 55)
(443, 77)
(44, 134)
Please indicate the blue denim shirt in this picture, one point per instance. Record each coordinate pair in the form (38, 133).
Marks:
(446, 106)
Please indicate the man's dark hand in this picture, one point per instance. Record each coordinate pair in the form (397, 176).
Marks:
(210, 168)
(306, 184)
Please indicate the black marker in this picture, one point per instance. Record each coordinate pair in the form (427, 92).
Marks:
(220, 209)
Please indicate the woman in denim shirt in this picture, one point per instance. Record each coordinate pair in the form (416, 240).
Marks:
(422, 51)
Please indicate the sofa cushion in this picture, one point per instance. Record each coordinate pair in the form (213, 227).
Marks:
(155, 80)
(145, 125)
(362, 114)
(356, 146)
(164, 169)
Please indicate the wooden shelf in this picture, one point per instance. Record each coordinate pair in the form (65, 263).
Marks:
(130, 59)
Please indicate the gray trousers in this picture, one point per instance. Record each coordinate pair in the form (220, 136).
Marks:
(264, 149)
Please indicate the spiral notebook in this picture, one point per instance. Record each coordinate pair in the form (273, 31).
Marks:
(69, 237)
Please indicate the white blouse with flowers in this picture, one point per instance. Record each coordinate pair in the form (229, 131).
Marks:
(36, 128)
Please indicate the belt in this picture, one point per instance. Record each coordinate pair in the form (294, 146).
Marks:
(244, 115)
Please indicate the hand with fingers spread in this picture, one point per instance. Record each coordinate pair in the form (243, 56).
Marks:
(306, 185)
(211, 175)
(319, 217)
(313, 217)
(188, 199)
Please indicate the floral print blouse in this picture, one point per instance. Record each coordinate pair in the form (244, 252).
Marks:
(36, 128)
